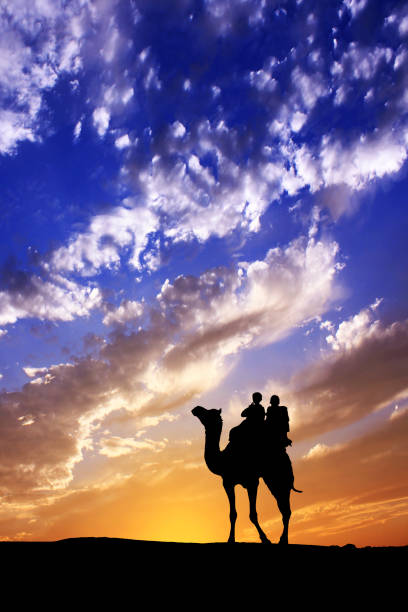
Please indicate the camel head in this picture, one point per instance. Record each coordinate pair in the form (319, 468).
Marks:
(209, 418)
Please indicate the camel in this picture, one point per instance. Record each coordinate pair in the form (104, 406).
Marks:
(224, 464)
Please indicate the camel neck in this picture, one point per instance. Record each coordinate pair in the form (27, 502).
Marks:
(212, 436)
(212, 454)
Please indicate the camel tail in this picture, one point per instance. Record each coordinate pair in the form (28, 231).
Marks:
(297, 490)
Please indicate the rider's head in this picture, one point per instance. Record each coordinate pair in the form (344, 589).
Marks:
(257, 397)
(275, 400)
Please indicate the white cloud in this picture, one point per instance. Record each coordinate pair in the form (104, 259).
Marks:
(400, 59)
(33, 372)
(122, 142)
(361, 62)
(153, 421)
(27, 70)
(110, 47)
(355, 6)
(14, 127)
(297, 121)
(127, 95)
(308, 168)
(123, 227)
(225, 14)
(308, 88)
(152, 80)
(69, 37)
(351, 333)
(77, 130)
(258, 305)
(403, 26)
(193, 200)
(361, 161)
(59, 300)
(195, 324)
(178, 129)
(364, 373)
(127, 311)
(101, 119)
(115, 446)
(263, 80)
(48, 371)
(321, 450)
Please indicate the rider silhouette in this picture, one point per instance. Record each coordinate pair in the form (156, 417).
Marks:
(255, 413)
(277, 424)
(246, 438)
(276, 437)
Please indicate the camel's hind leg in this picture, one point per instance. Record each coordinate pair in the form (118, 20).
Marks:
(253, 515)
(230, 491)
(283, 501)
(282, 496)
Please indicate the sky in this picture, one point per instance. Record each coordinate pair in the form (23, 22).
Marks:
(201, 199)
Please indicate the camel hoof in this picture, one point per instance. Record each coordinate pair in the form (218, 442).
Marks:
(266, 541)
(283, 542)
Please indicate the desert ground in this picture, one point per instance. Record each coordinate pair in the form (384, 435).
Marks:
(96, 572)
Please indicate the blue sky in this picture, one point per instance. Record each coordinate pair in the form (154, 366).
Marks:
(199, 199)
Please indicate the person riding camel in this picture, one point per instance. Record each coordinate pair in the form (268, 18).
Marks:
(246, 438)
(277, 424)
(276, 437)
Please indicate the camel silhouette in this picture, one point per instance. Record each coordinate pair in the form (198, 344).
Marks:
(276, 472)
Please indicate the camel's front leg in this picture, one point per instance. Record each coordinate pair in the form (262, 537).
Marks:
(253, 515)
(230, 491)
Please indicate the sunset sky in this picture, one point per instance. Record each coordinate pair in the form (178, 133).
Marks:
(201, 199)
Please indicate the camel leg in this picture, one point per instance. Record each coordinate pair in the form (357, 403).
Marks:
(282, 496)
(283, 501)
(253, 515)
(230, 491)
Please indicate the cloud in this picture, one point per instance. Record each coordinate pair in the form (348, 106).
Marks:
(56, 300)
(39, 44)
(122, 142)
(364, 373)
(398, 412)
(319, 450)
(178, 129)
(14, 127)
(226, 16)
(116, 446)
(28, 70)
(355, 330)
(100, 246)
(195, 199)
(206, 174)
(355, 6)
(32, 372)
(101, 119)
(308, 88)
(362, 62)
(362, 161)
(363, 487)
(259, 305)
(77, 130)
(127, 311)
(181, 351)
